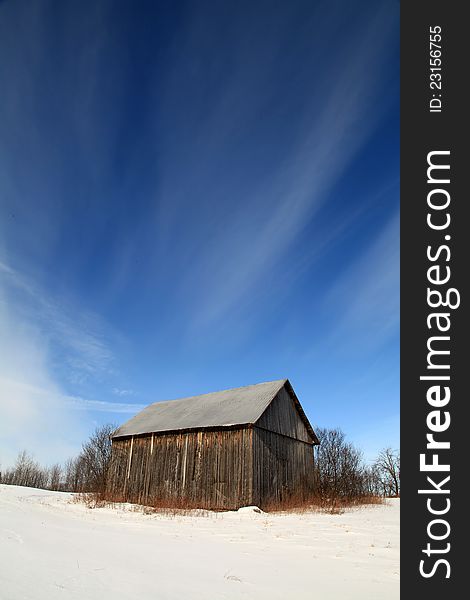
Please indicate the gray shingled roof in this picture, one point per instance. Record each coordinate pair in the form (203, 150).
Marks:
(238, 406)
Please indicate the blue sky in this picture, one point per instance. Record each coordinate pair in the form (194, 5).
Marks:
(196, 196)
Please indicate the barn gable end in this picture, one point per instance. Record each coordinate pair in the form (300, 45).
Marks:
(283, 469)
(282, 416)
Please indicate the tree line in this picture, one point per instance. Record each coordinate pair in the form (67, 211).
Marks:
(85, 473)
(340, 470)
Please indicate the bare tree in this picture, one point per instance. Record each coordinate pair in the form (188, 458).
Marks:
(26, 471)
(94, 459)
(340, 472)
(55, 476)
(387, 470)
(70, 482)
(372, 484)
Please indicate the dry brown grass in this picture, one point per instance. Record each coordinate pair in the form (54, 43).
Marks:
(181, 507)
(94, 500)
(320, 504)
(89, 499)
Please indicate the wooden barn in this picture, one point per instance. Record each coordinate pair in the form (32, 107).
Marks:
(245, 446)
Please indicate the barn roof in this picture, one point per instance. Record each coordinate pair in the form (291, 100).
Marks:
(238, 406)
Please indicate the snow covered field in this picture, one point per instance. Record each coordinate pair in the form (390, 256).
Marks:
(52, 547)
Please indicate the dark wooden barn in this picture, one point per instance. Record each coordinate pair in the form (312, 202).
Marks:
(245, 446)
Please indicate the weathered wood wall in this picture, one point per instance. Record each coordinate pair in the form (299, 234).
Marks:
(282, 455)
(282, 469)
(282, 416)
(204, 469)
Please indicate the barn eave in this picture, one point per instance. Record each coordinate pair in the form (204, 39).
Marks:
(229, 427)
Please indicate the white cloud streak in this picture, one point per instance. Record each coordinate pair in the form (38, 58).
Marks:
(367, 295)
(102, 406)
(32, 412)
(234, 264)
(80, 333)
(123, 392)
(35, 412)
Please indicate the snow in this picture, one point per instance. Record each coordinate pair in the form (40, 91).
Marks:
(52, 546)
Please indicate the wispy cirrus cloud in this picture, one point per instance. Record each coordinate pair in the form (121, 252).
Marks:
(367, 295)
(33, 413)
(78, 333)
(103, 406)
(39, 416)
(123, 392)
(36, 411)
(247, 245)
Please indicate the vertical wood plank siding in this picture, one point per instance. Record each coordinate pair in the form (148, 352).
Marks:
(282, 416)
(212, 469)
(204, 469)
(283, 469)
